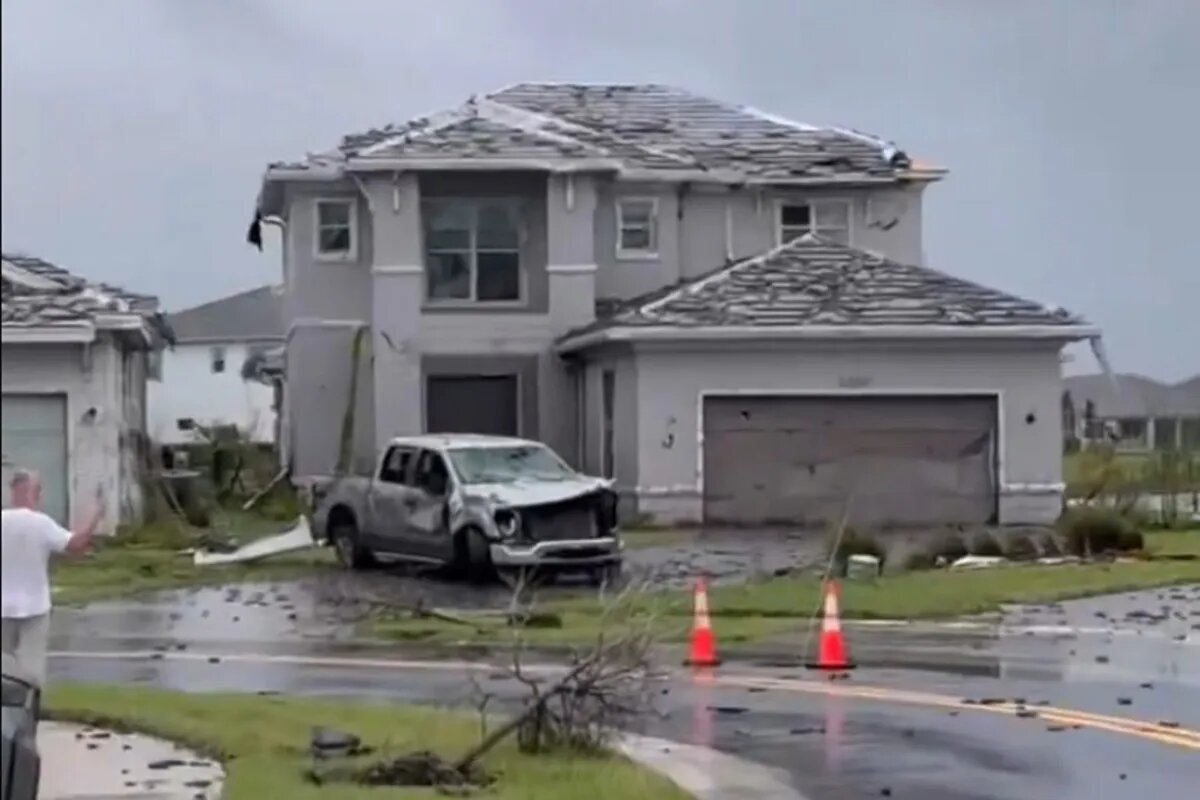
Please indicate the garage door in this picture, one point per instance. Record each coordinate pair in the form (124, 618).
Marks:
(899, 461)
(35, 437)
(471, 404)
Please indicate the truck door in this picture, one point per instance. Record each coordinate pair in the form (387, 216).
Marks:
(427, 514)
(389, 499)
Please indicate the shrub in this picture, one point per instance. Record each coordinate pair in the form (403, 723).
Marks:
(1131, 541)
(1092, 530)
(949, 546)
(919, 560)
(1020, 547)
(853, 543)
(985, 544)
(1050, 546)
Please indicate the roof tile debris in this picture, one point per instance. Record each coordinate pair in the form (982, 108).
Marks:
(637, 126)
(813, 281)
(68, 299)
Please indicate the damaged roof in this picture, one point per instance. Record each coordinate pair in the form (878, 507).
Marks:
(38, 294)
(623, 127)
(815, 282)
(254, 315)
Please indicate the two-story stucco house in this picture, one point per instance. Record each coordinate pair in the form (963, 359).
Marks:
(207, 376)
(724, 310)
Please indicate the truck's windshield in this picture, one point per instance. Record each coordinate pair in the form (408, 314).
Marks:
(508, 464)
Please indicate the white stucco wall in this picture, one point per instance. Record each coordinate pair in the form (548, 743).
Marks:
(1026, 378)
(91, 377)
(189, 388)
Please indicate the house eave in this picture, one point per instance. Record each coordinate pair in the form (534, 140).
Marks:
(633, 333)
(78, 333)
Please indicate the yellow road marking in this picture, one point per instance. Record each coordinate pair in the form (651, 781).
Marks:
(1150, 731)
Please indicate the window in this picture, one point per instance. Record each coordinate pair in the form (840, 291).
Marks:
(477, 465)
(1131, 433)
(473, 250)
(216, 357)
(431, 474)
(335, 225)
(637, 227)
(609, 391)
(395, 465)
(826, 218)
(154, 365)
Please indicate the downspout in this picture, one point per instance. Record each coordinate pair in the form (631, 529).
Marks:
(680, 193)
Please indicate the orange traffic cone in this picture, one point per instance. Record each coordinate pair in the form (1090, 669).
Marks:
(703, 649)
(831, 653)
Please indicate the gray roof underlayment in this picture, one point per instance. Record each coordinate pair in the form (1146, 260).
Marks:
(815, 282)
(622, 127)
(255, 315)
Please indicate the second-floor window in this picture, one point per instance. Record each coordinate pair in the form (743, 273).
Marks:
(473, 250)
(829, 219)
(637, 227)
(335, 235)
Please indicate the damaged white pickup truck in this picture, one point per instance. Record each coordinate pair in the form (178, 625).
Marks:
(482, 504)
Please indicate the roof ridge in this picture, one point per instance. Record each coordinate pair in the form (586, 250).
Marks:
(209, 303)
(569, 125)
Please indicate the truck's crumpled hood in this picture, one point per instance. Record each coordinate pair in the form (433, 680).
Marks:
(536, 491)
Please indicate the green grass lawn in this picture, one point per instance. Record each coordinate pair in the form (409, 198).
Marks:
(149, 557)
(263, 743)
(754, 611)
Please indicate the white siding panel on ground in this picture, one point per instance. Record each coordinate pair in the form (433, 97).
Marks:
(35, 437)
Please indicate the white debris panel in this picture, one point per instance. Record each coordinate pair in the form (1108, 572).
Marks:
(298, 538)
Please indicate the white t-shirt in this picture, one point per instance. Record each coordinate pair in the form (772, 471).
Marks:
(27, 541)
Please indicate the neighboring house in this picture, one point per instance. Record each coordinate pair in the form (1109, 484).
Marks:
(74, 386)
(1136, 413)
(209, 376)
(719, 308)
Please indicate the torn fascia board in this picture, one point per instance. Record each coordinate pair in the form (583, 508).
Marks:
(298, 538)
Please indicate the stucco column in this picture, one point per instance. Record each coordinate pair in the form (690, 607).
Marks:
(398, 285)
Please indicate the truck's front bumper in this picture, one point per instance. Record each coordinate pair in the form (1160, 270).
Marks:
(564, 554)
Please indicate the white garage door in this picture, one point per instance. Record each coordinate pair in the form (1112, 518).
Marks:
(896, 461)
(35, 437)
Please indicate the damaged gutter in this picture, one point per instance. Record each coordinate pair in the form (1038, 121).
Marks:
(630, 333)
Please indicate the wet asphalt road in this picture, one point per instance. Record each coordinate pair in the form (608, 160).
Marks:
(1134, 656)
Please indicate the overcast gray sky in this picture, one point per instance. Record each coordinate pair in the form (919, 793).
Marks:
(135, 131)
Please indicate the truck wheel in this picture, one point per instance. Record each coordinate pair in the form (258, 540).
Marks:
(343, 532)
(473, 556)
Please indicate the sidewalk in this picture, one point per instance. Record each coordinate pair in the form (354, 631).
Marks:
(83, 763)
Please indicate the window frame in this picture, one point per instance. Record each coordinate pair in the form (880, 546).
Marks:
(624, 253)
(517, 205)
(338, 256)
(813, 227)
(218, 354)
(406, 475)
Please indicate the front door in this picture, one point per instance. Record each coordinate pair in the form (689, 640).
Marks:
(389, 501)
(427, 517)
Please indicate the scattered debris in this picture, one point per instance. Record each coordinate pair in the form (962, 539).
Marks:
(298, 538)
(979, 562)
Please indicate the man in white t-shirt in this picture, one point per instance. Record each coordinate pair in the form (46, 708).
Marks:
(28, 539)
